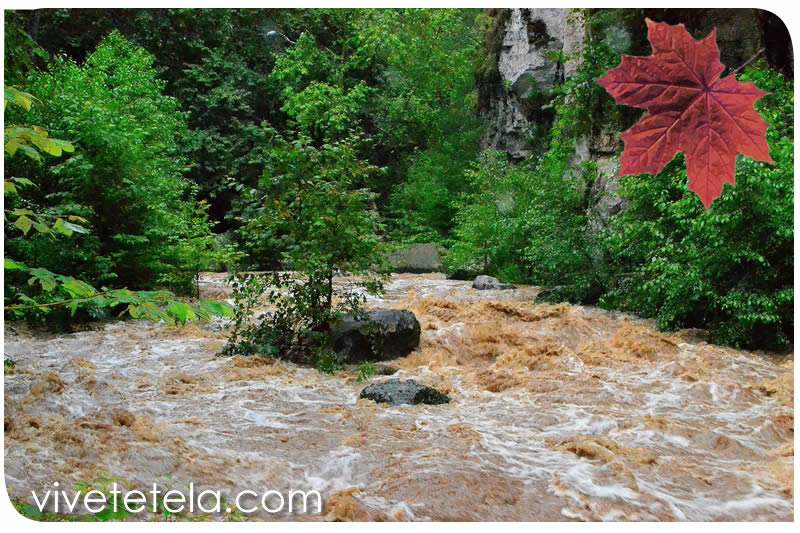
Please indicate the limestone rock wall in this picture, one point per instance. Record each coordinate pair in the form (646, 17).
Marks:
(528, 73)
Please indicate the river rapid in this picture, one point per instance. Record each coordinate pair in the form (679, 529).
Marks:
(557, 412)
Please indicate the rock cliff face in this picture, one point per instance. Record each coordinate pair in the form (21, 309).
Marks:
(528, 41)
(528, 72)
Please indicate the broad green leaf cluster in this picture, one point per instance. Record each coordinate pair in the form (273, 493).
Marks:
(40, 210)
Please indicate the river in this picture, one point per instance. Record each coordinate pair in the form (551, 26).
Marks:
(557, 412)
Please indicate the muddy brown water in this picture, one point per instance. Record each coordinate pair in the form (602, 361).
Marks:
(558, 412)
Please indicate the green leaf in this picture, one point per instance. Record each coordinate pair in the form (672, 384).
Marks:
(52, 149)
(125, 296)
(10, 94)
(64, 145)
(216, 308)
(77, 288)
(75, 227)
(12, 146)
(45, 278)
(10, 264)
(24, 224)
(30, 152)
(108, 514)
(23, 181)
(59, 227)
(178, 310)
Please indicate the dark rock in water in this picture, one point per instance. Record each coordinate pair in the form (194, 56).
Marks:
(484, 283)
(417, 259)
(556, 294)
(399, 392)
(463, 274)
(386, 334)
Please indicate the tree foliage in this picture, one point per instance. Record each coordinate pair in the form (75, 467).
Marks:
(730, 269)
(47, 292)
(125, 179)
(316, 205)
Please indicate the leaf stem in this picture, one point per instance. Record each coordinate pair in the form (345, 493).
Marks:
(58, 303)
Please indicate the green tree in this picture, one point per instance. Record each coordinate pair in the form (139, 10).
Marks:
(316, 204)
(46, 291)
(425, 111)
(126, 177)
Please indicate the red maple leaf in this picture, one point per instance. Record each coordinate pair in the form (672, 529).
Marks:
(689, 109)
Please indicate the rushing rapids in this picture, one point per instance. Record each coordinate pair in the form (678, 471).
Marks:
(557, 412)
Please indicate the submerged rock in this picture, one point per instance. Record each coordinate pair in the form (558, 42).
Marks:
(386, 334)
(484, 283)
(400, 392)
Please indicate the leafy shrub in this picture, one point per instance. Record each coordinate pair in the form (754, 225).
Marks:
(365, 371)
(125, 177)
(196, 250)
(45, 291)
(730, 269)
(316, 207)
(512, 226)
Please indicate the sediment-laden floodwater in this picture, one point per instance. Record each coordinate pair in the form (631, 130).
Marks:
(557, 412)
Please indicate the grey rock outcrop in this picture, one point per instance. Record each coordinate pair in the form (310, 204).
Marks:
(403, 392)
(417, 259)
(488, 283)
(528, 73)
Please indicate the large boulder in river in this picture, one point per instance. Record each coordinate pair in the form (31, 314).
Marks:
(488, 283)
(466, 273)
(417, 259)
(400, 392)
(385, 334)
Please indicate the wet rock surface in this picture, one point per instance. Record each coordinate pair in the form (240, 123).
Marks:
(386, 334)
(488, 283)
(403, 392)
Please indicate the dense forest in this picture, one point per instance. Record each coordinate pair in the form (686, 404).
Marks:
(146, 146)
